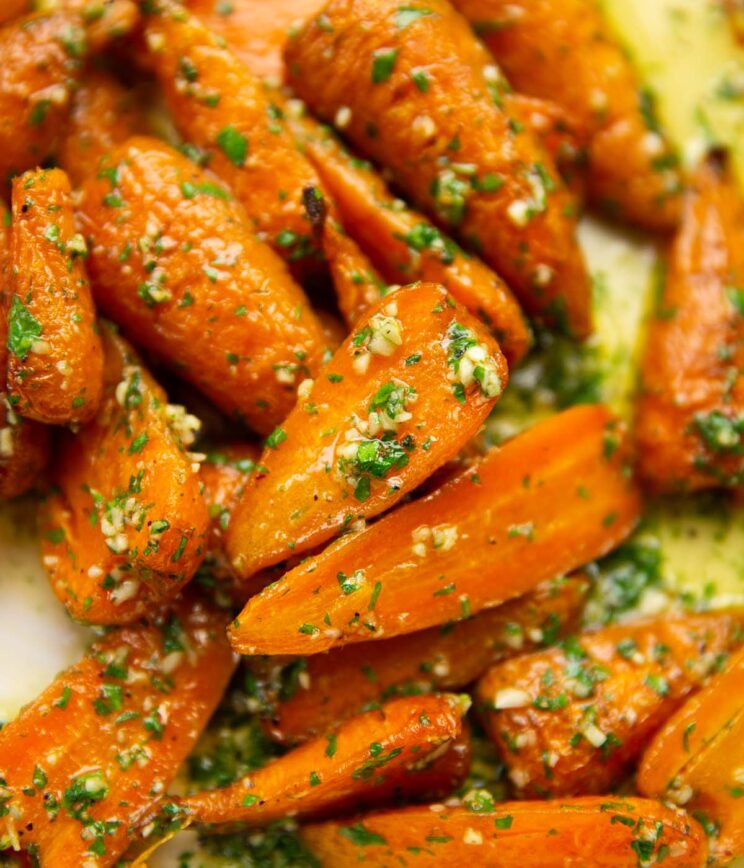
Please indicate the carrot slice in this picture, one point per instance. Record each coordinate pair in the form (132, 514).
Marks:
(564, 50)
(412, 89)
(603, 832)
(697, 759)
(551, 500)
(404, 245)
(570, 720)
(128, 525)
(344, 681)
(366, 760)
(91, 756)
(399, 398)
(691, 405)
(174, 262)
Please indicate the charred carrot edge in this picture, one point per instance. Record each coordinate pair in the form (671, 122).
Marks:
(175, 263)
(571, 719)
(365, 760)
(551, 500)
(111, 731)
(696, 759)
(403, 244)
(611, 832)
(690, 407)
(415, 94)
(342, 682)
(127, 527)
(566, 52)
(55, 359)
(400, 397)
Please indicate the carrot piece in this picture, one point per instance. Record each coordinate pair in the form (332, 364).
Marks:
(342, 682)
(697, 758)
(569, 720)
(554, 498)
(55, 363)
(603, 832)
(365, 760)
(412, 91)
(564, 50)
(403, 245)
(128, 525)
(13, 9)
(104, 114)
(399, 398)
(691, 407)
(174, 262)
(92, 755)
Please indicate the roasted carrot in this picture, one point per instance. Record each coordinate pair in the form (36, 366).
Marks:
(400, 397)
(407, 85)
(403, 244)
(342, 682)
(174, 262)
(104, 114)
(564, 50)
(90, 757)
(366, 760)
(552, 499)
(697, 760)
(690, 411)
(55, 359)
(606, 832)
(127, 526)
(569, 720)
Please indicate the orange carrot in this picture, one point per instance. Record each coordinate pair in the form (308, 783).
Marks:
(569, 720)
(691, 404)
(174, 262)
(697, 759)
(12, 9)
(127, 527)
(411, 89)
(551, 500)
(564, 50)
(342, 682)
(606, 832)
(400, 397)
(90, 757)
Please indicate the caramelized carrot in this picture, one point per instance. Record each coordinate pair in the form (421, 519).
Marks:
(602, 832)
(551, 500)
(127, 527)
(400, 397)
(174, 262)
(55, 363)
(570, 720)
(697, 759)
(690, 411)
(90, 757)
(407, 85)
(564, 50)
(364, 761)
(403, 245)
(104, 114)
(342, 682)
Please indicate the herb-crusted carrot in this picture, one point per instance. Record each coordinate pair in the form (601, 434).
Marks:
(551, 500)
(606, 832)
(55, 359)
(405, 391)
(690, 414)
(174, 262)
(127, 526)
(569, 720)
(412, 91)
(82, 765)
(345, 680)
